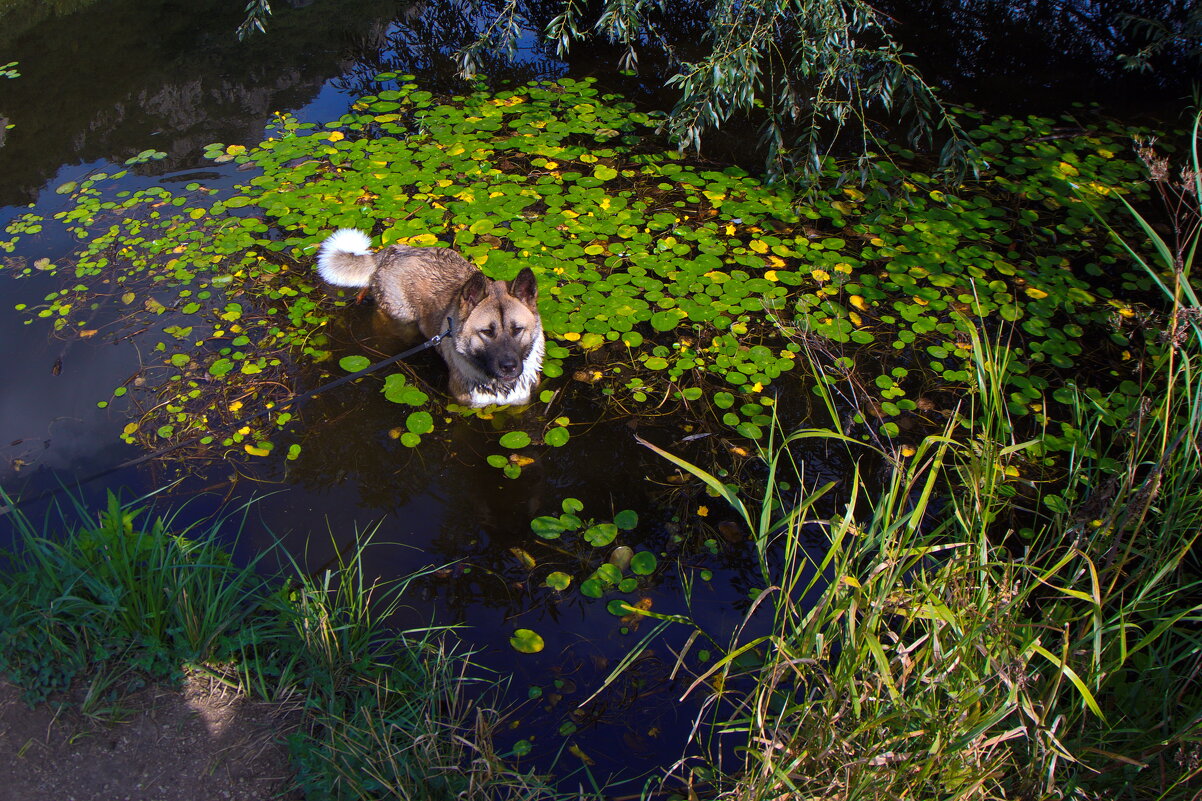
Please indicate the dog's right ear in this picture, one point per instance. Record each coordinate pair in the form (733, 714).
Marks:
(525, 286)
(474, 290)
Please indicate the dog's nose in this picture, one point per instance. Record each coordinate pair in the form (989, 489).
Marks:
(508, 366)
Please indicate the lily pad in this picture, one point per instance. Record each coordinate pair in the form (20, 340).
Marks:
(515, 440)
(547, 527)
(558, 580)
(601, 534)
(643, 563)
(627, 519)
(526, 641)
(353, 364)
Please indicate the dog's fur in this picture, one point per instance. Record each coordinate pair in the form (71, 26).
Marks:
(495, 350)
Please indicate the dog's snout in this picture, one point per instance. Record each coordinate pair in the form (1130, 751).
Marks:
(508, 366)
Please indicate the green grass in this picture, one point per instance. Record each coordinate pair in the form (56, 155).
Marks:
(106, 604)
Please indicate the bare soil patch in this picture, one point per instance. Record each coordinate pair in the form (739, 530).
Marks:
(201, 742)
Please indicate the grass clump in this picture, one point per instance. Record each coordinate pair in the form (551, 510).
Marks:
(117, 602)
(920, 649)
(108, 605)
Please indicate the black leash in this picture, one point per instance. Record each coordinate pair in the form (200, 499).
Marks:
(293, 401)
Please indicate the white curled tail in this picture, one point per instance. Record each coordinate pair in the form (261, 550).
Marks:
(345, 258)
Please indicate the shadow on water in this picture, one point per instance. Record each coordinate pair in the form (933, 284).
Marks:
(101, 82)
(1032, 56)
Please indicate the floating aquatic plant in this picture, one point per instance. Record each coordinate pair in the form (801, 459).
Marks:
(662, 281)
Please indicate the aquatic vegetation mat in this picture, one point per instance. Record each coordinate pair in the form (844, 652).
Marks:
(665, 283)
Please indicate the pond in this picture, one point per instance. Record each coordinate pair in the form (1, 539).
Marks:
(101, 84)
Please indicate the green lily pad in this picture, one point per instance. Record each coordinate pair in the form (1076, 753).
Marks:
(515, 440)
(558, 580)
(608, 574)
(619, 607)
(547, 527)
(601, 534)
(592, 588)
(353, 364)
(420, 423)
(526, 641)
(643, 563)
(627, 519)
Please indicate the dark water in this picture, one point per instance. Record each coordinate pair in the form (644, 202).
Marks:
(103, 81)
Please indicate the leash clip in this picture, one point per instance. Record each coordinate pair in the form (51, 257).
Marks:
(434, 340)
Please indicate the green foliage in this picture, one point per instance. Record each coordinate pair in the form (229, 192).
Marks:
(526, 641)
(388, 711)
(1179, 38)
(600, 572)
(928, 621)
(914, 641)
(257, 12)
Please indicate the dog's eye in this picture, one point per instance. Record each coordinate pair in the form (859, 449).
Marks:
(517, 330)
(490, 332)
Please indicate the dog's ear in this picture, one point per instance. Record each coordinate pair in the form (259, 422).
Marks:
(525, 287)
(474, 290)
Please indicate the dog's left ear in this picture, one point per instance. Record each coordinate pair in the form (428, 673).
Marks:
(525, 287)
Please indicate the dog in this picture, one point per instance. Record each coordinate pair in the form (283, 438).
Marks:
(496, 346)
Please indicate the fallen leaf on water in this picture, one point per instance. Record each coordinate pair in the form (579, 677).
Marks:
(730, 531)
(634, 618)
(585, 758)
(524, 557)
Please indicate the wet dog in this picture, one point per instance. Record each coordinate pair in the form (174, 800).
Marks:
(495, 350)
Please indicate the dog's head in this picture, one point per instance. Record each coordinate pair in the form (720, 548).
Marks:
(498, 324)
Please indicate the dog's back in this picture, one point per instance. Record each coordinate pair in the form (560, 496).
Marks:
(410, 284)
(419, 285)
